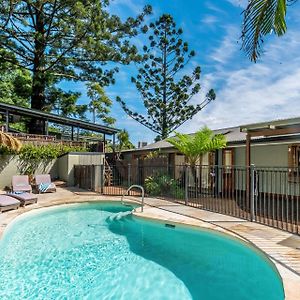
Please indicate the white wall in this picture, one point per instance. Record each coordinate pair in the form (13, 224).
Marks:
(11, 165)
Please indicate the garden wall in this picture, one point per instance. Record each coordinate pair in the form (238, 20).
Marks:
(61, 168)
(11, 165)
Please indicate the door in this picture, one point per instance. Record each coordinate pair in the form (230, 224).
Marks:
(228, 172)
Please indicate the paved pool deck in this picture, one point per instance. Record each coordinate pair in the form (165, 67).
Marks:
(283, 248)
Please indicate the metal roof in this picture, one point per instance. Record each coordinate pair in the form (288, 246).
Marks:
(33, 113)
(269, 124)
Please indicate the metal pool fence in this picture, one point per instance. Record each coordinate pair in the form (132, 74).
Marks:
(269, 196)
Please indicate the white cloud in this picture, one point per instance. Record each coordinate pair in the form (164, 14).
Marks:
(239, 3)
(258, 92)
(209, 20)
(228, 46)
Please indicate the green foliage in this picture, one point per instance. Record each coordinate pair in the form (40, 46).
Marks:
(100, 103)
(15, 84)
(193, 146)
(4, 150)
(66, 40)
(163, 185)
(155, 154)
(64, 103)
(166, 97)
(31, 156)
(261, 18)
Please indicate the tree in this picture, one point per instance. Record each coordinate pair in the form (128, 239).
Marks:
(65, 39)
(123, 142)
(15, 84)
(165, 96)
(64, 103)
(262, 17)
(100, 104)
(194, 146)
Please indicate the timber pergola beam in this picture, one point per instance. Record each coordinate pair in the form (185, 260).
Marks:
(276, 128)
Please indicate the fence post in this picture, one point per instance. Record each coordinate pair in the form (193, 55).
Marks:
(186, 184)
(252, 193)
(129, 175)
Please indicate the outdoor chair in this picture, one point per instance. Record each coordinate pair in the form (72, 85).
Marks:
(24, 197)
(20, 183)
(44, 184)
(7, 203)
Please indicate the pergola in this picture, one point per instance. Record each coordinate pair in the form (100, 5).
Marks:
(284, 127)
(8, 110)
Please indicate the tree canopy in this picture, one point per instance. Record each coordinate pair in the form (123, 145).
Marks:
(166, 96)
(66, 39)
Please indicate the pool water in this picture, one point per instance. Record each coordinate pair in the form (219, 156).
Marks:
(92, 251)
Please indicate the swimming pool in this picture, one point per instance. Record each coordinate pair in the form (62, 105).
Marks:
(99, 251)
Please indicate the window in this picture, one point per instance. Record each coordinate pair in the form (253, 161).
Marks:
(294, 162)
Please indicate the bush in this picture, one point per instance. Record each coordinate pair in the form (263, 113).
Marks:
(31, 156)
(163, 185)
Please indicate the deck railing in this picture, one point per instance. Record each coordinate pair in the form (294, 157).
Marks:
(269, 196)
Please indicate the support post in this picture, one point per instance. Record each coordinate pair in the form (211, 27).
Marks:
(72, 133)
(248, 172)
(104, 142)
(47, 127)
(102, 170)
(114, 143)
(7, 121)
(77, 134)
(252, 193)
(186, 185)
(129, 175)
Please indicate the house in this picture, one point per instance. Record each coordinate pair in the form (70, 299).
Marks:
(273, 144)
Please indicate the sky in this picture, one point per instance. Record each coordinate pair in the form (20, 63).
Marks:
(246, 92)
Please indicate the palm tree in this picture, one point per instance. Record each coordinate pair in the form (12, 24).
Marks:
(262, 17)
(10, 142)
(196, 145)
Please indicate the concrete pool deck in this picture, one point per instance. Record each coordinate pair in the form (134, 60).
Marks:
(282, 247)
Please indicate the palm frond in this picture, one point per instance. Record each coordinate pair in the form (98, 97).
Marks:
(262, 17)
(10, 142)
(194, 146)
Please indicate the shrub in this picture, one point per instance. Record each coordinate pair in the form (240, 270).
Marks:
(163, 185)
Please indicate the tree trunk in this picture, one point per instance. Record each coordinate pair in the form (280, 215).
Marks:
(39, 78)
(164, 133)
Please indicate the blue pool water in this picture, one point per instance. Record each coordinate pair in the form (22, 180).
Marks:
(92, 251)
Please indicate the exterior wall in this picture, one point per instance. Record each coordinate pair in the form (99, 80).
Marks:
(263, 155)
(10, 166)
(66, 164)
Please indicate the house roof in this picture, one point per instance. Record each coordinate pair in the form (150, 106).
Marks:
(234, 135)
(269, 124)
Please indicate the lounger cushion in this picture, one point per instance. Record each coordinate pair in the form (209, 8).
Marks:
(6, 201)
(23, 196)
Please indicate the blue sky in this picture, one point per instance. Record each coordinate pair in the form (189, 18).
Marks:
(246, 92)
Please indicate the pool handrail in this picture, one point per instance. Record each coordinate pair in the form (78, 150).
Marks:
(128, 190)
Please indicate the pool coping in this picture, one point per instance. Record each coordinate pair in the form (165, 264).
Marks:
(291, 281)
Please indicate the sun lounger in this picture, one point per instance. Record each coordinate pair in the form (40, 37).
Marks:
(20, 183)
(24, 197)
(7, 203)
(44, 184)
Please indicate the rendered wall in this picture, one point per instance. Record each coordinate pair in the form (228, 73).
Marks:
(66, 164)
(10, 166)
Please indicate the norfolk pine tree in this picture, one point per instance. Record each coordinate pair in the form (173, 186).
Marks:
(166, 97)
